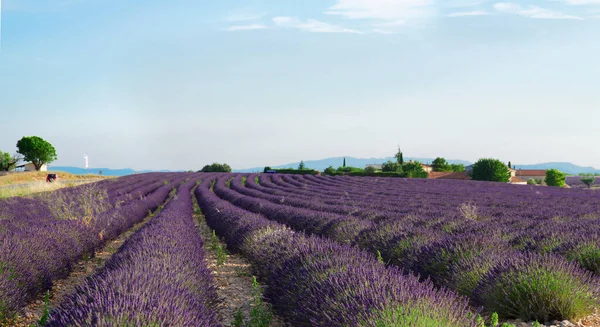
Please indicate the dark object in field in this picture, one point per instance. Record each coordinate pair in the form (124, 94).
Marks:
(51, 178)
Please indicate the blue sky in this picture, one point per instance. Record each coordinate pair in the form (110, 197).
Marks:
(179, 84)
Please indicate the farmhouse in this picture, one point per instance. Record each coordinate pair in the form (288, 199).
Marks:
(427, 168)
(29, 166)
(526, 174)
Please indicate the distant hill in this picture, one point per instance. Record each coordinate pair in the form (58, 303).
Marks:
(565, 167)
(350, 161)
(105, 171)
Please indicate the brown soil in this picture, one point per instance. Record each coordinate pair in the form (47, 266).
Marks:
(234, 279)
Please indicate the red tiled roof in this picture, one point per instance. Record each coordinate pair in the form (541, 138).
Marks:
(449, 175)
(524, 172)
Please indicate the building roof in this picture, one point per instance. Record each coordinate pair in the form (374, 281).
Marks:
(531, 172)
(376, 166)
(449, 175)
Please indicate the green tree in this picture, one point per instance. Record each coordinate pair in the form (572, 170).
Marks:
(555, 177)
(492, 170)
(532, 181)
(457, 168)
(37, 150)
(8, 162)
(509, 165)
(413, 167)
(440, 164)
(370, 170)
(344, 163)
(301, 166)
(329, 171)
(399, 157)
(391, 167)
(267, 168)
(216, 168)
(588, 181)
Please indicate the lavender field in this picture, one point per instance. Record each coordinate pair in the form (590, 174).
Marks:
(330, 251)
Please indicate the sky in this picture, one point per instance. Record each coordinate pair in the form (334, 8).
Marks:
(179, 84)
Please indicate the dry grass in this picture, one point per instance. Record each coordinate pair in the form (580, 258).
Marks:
(37, 187)
(35, 176)
(34, 182)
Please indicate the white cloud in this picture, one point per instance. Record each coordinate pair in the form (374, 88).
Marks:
(391, 10)
(581, 2)
(311, 25)
(468, 13)
(531, 11)
(251, 27)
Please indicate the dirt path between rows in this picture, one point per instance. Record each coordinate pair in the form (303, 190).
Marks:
(234, 278)
(83, 269)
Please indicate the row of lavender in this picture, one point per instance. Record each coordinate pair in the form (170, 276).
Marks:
(42, 237)
(505, 264)
(314, 281)
(437, 198)
(158, 277)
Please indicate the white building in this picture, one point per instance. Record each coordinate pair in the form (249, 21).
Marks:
(29, 166)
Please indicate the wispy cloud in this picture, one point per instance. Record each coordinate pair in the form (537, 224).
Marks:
(311, 25)
(250, 27)
(469, 13)
(390, 10)
(581, 2)
(532, 11)
(378, 31)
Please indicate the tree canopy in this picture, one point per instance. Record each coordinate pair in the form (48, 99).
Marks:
(399, 157)
(301, 166)
(8, 162)
(440, 164)
(457, 168)
(391, 167)
(555, 177)
(588, 181)
(413, 167)
(488, 169)
(37, 150)
(216, 168)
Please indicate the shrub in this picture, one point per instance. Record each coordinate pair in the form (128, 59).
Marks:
(391, 167)
(532, 181)
(459, 262)
(585, 251)
(349, 170)
(330, 171)
(216, 168)
(370, 170)
(536, 287)
(555, 178)
(492, 170)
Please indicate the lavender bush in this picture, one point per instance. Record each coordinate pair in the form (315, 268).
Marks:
(158, 277)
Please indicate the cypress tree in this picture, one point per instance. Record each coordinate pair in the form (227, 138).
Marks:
(509, 165)
(344, 162)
